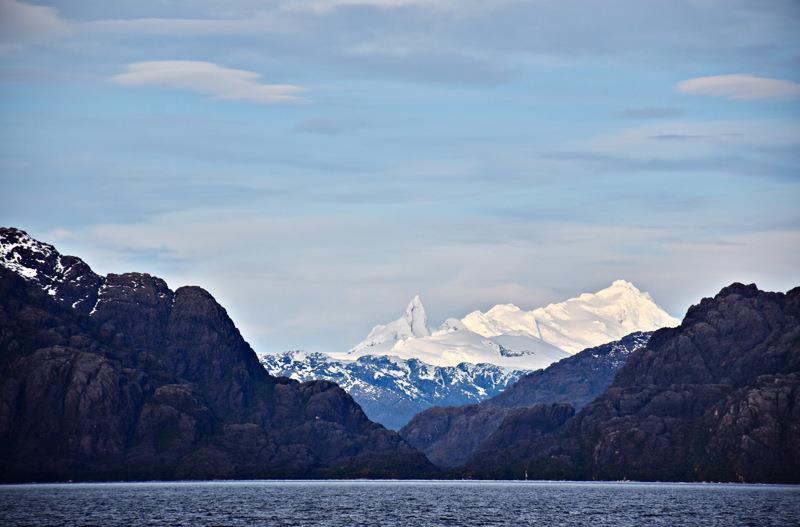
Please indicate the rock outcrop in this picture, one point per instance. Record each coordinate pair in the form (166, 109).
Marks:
(135, 381)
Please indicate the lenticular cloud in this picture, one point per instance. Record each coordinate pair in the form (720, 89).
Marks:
(210, 79)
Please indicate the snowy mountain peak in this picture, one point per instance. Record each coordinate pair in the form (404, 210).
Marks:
(622, 287)
(409, 337)
(502, 319)
(587, 320)
(509, 336)
(416, 318)
(623, 284)
(413, 323)
(65, 278)
(21, 253)
(450, 325)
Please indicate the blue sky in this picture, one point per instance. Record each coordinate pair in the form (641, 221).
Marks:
(315, 163)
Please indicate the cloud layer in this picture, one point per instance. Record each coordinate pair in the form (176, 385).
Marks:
(741, 87)
(210, 79)
(22, 24)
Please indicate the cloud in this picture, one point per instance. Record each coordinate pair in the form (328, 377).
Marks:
(740, 87)
(22, 24)
(210, 79)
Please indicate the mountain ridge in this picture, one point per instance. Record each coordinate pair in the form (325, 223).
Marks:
(150, 383)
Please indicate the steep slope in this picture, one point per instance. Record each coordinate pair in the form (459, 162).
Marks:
(392, 390)
(450, 435)
(577, 323)
(149, 383)
(717, 398)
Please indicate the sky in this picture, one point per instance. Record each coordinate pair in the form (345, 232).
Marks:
(314, 164)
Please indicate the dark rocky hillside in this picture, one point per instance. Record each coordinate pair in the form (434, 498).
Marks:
(715, 399)
(119, 377)
(449, 435)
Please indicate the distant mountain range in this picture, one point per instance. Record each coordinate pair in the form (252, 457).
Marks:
(392, 390)
(403, 367)
(507, 336)
(409, 337)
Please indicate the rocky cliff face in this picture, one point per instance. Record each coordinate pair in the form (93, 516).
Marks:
(450, 435)
(713, 399)
(119, 377)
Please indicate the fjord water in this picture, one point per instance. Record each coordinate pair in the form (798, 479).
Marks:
(404, 503)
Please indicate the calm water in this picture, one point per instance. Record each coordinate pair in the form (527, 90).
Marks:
(411, 503)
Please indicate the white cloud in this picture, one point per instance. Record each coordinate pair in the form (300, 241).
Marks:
(210, 79)
(22, 24)
(740, 87)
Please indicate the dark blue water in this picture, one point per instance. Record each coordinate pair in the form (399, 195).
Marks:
(411, 503)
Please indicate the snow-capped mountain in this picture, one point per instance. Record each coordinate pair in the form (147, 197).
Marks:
(511, 337)
(66, 278)
(392, 390)
(413, 323)
(403, 367)
(452, 344)
(578, 323)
